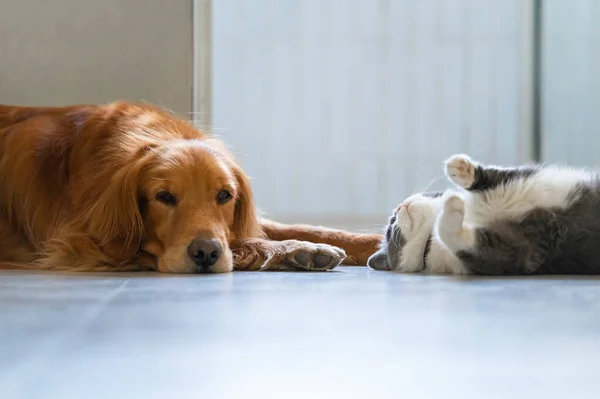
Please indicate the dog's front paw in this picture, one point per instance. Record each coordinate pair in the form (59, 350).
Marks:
(305, 256)
(461, 170)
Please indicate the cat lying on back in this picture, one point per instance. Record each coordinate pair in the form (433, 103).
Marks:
(530, 219)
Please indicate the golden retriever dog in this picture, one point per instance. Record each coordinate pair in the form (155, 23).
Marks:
(128, 187)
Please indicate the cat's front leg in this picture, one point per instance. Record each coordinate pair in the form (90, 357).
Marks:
(472, 176)
(450, 226)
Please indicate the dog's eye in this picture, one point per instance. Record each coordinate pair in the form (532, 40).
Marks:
(166, 198)
(223, 196)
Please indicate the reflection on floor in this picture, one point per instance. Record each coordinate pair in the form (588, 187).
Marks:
(352, 333)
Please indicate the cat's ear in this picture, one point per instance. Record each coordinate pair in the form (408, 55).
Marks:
(379, 261)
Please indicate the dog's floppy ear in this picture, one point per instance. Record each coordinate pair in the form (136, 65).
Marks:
(245, 222)
(112, 216)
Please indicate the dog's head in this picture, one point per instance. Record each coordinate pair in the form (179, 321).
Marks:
(178, 195)
(192, 201)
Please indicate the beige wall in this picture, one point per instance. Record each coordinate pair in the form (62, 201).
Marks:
(74, 51)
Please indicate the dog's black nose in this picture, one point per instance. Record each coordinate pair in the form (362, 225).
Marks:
(205, 252)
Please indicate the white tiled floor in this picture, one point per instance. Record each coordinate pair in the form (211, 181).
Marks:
(353, 333)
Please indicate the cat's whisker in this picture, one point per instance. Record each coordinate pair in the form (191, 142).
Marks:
(433, 180)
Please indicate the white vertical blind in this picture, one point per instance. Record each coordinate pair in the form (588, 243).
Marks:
(571, 82)
(341, 108)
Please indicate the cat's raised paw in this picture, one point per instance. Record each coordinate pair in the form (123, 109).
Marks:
(453, 214)
(461, 170)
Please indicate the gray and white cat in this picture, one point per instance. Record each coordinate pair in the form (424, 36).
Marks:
(531, 219)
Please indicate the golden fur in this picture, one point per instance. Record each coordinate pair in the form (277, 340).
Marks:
(79, 189)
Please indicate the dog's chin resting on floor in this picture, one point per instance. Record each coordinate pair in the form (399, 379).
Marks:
(531, 219)
(127, 187)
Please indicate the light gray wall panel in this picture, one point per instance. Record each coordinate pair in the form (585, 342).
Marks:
(571, 82)
(73, 51)
(341, 108)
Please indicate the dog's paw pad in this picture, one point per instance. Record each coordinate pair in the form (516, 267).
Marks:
(302, 258)
(317, 257)
(307, 260)
(321, 261)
